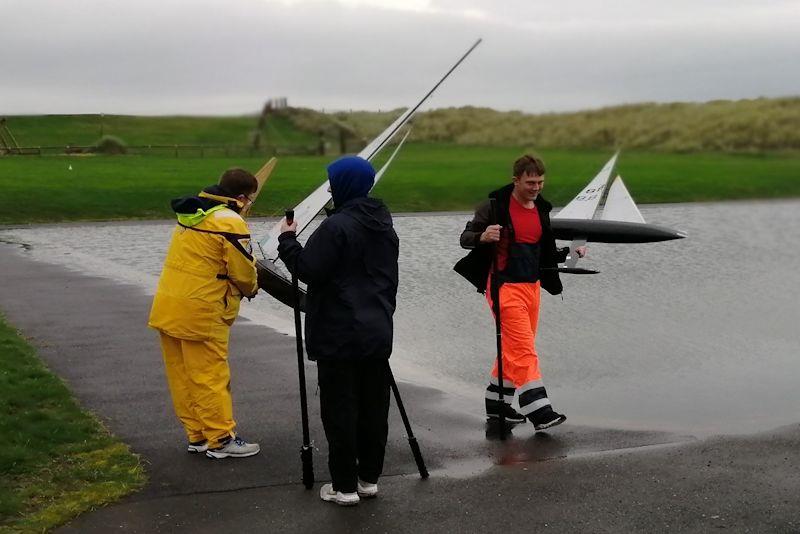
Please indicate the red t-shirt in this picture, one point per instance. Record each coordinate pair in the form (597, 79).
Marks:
(527, 229)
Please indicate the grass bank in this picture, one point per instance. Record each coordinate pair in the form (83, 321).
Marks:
(424, 177)
(56, 460)
(751, 125)
(757, 125)
(82, 130)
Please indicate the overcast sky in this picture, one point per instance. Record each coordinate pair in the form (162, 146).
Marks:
(221, 57)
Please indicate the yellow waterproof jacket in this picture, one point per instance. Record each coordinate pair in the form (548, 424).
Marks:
(208, 268)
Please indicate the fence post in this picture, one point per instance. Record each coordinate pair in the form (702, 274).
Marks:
(176, 151)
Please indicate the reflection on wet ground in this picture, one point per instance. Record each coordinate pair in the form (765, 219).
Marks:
(693, 336)
(471, 453)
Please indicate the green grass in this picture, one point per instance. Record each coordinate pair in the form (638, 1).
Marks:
(424, 177)
(127, 187)
(451, 177)
(83, 130)
(749, 126)
(56, 460)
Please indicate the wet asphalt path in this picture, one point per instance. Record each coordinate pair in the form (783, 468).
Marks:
(92, 332)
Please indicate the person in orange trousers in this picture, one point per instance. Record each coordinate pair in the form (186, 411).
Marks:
(526, 261)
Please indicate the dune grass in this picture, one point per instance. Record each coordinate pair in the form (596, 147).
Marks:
(424, 177)
(755, 125)
(750, 126)
(57, 460)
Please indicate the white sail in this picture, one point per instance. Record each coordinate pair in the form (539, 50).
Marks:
(619, 205)
(585, 204)
(379, 174)
(620, 221)
(305, 212)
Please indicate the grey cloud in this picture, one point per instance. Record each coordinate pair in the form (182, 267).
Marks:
(228, 57)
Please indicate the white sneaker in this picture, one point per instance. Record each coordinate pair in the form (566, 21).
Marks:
(234, 448)
(367, 490)
(195, 447)
(326, 493)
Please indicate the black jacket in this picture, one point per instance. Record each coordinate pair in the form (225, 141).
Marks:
(476, 265)
(350, 266)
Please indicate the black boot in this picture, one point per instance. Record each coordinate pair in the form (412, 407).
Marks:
(545, 418)
(495, 408)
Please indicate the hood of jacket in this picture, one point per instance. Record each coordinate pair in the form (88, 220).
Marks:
(371, 213)
(350, 177)
(192, 210)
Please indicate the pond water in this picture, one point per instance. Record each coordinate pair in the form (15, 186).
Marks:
(700, 335)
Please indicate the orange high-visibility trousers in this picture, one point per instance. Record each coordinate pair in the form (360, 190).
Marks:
(519, 318)
(199, 382)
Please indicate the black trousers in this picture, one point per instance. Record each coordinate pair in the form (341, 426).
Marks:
(354, 404)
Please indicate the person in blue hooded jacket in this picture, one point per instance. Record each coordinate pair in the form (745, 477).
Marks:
(350, 267)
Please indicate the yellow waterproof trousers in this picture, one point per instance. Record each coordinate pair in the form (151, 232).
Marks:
(199, 380)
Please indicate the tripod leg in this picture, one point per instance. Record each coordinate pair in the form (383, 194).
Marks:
(412, 441)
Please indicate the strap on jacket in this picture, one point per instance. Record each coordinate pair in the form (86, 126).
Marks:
(231, 237)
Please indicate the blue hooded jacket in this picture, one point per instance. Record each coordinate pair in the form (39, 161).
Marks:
(350, 266)
(350, 177)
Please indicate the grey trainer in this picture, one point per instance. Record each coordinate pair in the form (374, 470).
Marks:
(195, 447)
(234, 448)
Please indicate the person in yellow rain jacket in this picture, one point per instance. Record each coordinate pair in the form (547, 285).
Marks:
(208, 269)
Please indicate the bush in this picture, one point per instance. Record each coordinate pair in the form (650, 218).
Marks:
(109, 144)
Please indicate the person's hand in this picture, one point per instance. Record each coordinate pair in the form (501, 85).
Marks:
(580, 251)
(286, 227)
(491, 234)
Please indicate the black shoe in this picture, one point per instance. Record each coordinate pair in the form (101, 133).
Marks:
(546, 419)
(512, 416)
(495, 431)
